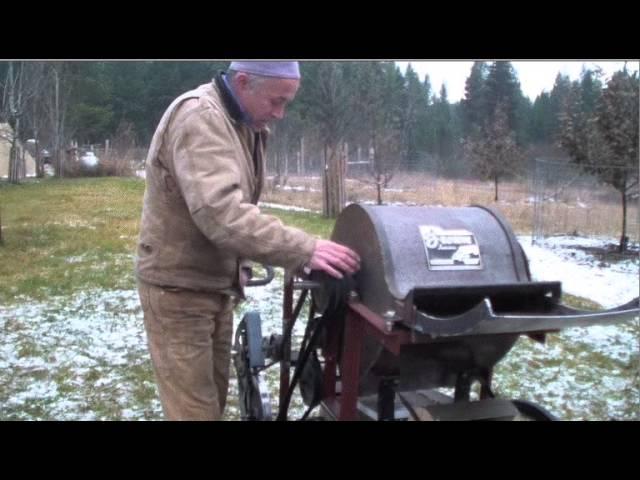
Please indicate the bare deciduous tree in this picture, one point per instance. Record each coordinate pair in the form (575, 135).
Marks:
(21, 88)
(386, 119)
(384, 160)
(605, 143)
(331, 106)
(494, 153)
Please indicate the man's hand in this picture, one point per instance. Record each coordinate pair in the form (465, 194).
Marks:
(333, 258)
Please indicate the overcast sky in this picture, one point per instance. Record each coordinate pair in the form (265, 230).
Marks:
(534, 76)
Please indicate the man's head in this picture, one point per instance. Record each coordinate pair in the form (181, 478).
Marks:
(264, 88)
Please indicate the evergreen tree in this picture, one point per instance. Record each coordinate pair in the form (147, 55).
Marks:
(523, 119)
(91, 104)
(503, 87)
(475, 109)
(425, 121)
(416, 116)
(558, 98)
(131, 97)
(542, 119)
(444, 129)
(590, 90)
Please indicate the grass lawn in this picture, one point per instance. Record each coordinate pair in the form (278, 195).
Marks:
(72, 344)
(64, 236)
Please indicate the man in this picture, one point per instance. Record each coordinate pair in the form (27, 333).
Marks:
(200, 225)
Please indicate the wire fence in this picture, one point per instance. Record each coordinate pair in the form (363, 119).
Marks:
(569, 200)
(550, 197)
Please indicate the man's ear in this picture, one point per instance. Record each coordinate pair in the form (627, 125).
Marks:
(241, 81)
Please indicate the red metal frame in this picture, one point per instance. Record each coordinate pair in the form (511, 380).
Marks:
(359, 321)
(287, 318)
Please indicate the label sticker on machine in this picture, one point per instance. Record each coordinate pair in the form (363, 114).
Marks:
(450, 249)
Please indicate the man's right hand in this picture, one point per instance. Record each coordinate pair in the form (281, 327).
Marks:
(333, 258)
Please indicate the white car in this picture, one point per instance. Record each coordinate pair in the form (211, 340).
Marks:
(89, 160)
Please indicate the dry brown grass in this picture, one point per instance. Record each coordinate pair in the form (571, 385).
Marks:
(108, 166)
(594, 213)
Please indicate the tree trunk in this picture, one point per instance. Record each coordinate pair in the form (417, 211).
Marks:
(286, 164)
(22, 164)
(285, 145)
(14, 101)
(623, 238)
(36, 146)
(333, 182)
(14, 156)
(12, 177)
(57, 144)
(38, 158)
(302, 168)
(345, 156)
(276, 177)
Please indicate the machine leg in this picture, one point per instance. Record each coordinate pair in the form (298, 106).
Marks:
(287, 318)
(386, 399)
(350, 370)
(463, 387)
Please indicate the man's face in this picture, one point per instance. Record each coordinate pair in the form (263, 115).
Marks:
(265, 98)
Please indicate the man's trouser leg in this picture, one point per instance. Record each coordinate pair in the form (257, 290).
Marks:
(189, 336)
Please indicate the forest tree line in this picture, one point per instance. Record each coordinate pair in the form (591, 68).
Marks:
(366, 112)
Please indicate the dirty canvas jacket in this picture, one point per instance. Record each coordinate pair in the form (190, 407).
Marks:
(204, 174)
